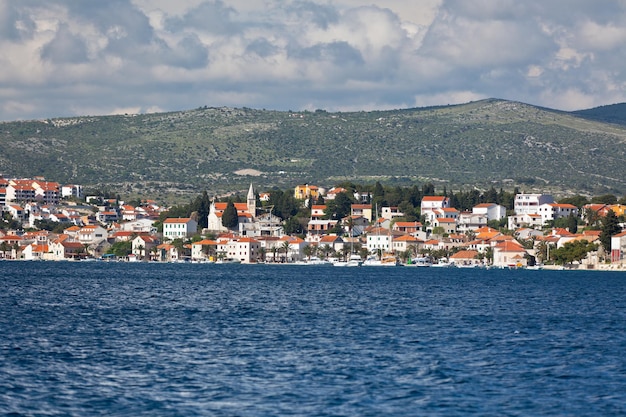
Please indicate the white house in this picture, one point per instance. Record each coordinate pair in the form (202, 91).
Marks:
(245, 249)
(139, 226)
(492, 211)
(91, 234)
(553, 211)
(448, 224)
(142, 245)
(390, 213)
(179, 228)
(430, 203)
(618, 247)
(471, 221)
(72, 190)
(379, 240)
(529, 203)
(204, 250)
(516, 221)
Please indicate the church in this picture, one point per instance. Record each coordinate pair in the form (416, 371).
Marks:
(250, 224)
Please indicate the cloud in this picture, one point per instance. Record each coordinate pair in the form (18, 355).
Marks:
(65, 47)
(60, 57)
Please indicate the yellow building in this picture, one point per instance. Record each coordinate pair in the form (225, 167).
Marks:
(302, 192)
(618, 209)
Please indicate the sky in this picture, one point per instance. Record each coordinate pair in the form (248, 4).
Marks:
(62, 58)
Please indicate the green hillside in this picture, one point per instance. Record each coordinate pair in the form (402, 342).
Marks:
(614, 113)
(490, 142)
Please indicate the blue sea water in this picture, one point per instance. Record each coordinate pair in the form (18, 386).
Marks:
(124, 339)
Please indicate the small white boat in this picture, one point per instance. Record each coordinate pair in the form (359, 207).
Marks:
(314, 260)
(228, 261)
(355, 260)
(386, 260)
(421, 262)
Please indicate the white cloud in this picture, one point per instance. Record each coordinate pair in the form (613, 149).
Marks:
(61, 57)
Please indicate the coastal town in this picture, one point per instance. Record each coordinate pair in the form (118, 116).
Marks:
(44, 220)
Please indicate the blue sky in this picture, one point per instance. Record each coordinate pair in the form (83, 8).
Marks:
(93, 57)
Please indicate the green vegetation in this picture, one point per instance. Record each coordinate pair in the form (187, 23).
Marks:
(609, 227)
(485, 143)
(572, 252)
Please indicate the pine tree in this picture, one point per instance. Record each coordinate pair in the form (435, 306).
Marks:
(609, 227)
(230, 219)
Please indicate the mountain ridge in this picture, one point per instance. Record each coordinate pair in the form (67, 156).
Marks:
(483, 143)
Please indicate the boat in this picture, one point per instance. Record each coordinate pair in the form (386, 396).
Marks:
(313, 260)
(421, 262)
(354, 260)
(228, 261)
(386, 260)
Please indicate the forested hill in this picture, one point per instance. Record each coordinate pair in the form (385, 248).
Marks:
(484, 143)
(614, 113)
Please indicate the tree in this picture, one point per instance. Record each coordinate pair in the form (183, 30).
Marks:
(572, 223)
(262, 253)
(574, 251)
(308, 251)
(286, 246)
(338, 208)
(202, 205)
(609, 226)
(230, 219)
(121, 249)
(292, 226)
(604, 199)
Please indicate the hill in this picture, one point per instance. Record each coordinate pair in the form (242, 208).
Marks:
(484, 143)
(614, 113)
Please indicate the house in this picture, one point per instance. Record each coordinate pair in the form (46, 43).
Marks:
(334, 242)
(407, 227)
(266, 224)
(91, 234)
(332, 193)
(469, 221)
(529, 203)
(447, 224)
(306, 191)
(144, 245)
(517, 221)
(167, 252)
(492, 211)
(205, 249)
(618, 247)
(379, 240)
(179, 228)
(245, 250)
(144, 225)
(509, 253)
(466, 258)
(390, 213)
(296, 247)
(17, 212)
(107, 216)
(406, 243)
(35, 251)
(354, 225)
(320, 226)
(63, 248)
(430, 203)
(554, 211)
(363, 210)
(71, 190)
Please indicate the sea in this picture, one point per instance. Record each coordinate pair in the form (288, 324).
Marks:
(147, 339)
